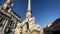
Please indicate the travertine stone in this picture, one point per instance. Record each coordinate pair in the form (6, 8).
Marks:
(11, 21)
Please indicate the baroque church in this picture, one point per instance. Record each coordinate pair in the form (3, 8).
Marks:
(10, 21)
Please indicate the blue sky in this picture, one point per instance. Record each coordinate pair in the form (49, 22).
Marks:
(44, 11)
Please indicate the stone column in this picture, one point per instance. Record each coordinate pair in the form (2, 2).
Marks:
(5, 25)
(2, 23)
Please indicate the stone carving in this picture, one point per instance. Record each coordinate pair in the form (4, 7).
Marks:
(12, 24)
(7, 6)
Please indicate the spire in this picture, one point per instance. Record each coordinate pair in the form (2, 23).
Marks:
(29, 13)
(29, 5)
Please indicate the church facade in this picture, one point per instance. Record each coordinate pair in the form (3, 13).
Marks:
(10, 21)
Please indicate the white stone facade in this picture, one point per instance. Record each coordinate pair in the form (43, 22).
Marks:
(28, 26)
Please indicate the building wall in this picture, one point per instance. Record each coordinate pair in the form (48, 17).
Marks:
(54, 28)
(8, 23)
